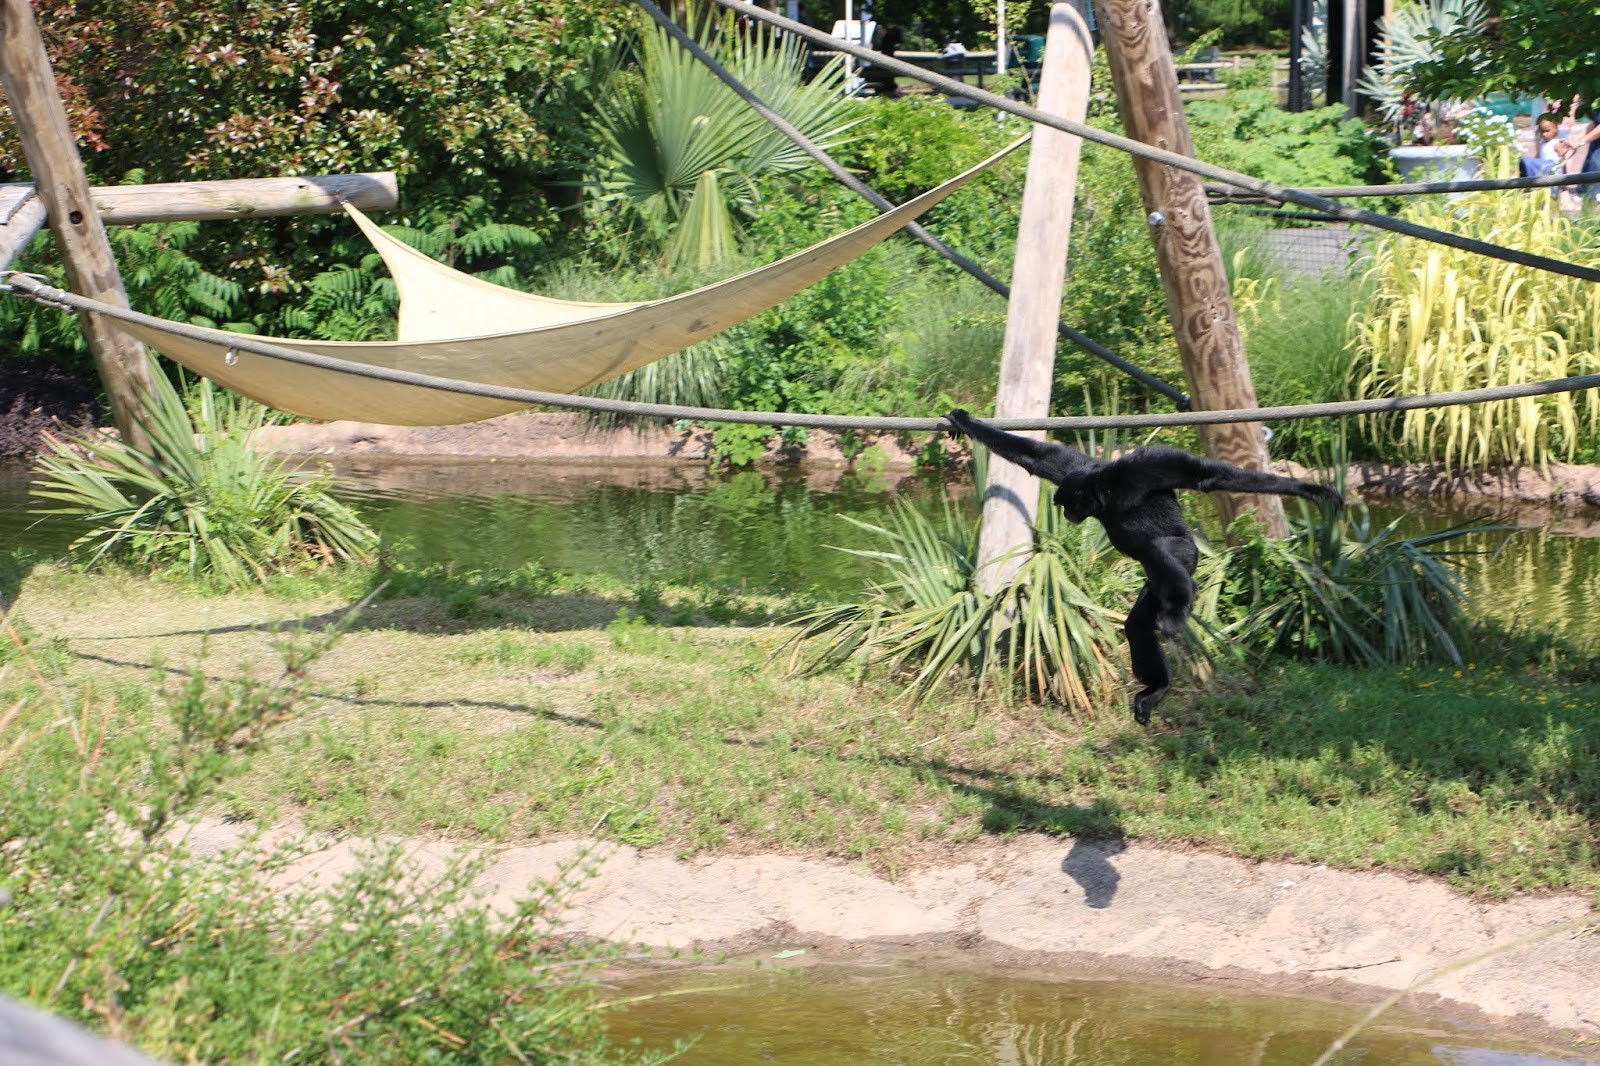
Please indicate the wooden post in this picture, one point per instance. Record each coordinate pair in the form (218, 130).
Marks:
(1198, 300)
(58, 175)
(1027, 361)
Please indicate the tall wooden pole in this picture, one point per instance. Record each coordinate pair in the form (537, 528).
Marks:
(1198, 300)
(59, 181)
(1027, 361)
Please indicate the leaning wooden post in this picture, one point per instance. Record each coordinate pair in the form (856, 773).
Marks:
(1027, 361)
(1198, 300)
(59, 181)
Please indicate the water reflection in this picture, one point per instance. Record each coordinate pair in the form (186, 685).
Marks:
(835, 1015)
(749, 529)
(1544, 576)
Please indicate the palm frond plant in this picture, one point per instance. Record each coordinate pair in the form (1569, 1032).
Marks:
(1338, 590)
(1046, 635)
(206, 503)
(681, 154)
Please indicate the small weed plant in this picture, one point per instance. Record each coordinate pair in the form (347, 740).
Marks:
(109, 920)
(206, 503)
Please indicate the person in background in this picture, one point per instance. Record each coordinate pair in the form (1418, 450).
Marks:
(1547, 152)
(1589, 139)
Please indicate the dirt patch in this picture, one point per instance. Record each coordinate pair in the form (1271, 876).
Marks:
(1037, 902)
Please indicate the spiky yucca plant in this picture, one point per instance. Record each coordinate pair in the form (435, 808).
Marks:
(206, 503)
(1045, 635)
(1337, 590)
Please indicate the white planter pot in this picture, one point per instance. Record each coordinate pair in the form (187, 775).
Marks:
(1435, 162)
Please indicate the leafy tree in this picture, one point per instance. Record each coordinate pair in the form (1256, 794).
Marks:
(459, 98)
(1548, 48)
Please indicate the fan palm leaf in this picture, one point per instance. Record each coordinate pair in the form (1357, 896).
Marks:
(664, 128)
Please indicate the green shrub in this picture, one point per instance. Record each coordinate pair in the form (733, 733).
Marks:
(1248, 131)
(207, 503)
(1338, 590)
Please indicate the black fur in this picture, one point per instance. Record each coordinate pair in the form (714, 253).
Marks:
(1134, 497)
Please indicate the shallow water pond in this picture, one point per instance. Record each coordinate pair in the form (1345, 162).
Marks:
(780, 531)
(850, 1015)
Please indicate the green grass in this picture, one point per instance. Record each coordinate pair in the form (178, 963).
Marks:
(110, 921)
(543, 712)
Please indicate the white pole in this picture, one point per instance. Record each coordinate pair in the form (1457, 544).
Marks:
(1000, 39)
(849, 61)
(1027, 362)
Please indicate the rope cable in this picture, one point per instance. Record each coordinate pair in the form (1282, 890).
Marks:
(1173, 159)
(32, 287)
(1545, 181)
(877, 200)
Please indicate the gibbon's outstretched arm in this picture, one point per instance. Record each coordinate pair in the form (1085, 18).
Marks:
(1133, 497)
(1159, 468)
(1038, 457)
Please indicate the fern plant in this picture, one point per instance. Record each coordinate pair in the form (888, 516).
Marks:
(160, 276)
(206, 503)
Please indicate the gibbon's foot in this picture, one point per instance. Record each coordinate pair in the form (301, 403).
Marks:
(1145, 702)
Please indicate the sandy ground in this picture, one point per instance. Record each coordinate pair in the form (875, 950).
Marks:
(1034, 902)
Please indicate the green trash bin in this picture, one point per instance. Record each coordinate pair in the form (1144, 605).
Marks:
(1030, 48)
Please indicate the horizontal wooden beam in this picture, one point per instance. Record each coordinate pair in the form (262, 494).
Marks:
(18, 227)
(202, 201)
(22, 214)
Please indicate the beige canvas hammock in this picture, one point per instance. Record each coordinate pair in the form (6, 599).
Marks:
(453, 325)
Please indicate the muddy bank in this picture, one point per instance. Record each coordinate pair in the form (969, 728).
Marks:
(562, 437)
(1050, 904)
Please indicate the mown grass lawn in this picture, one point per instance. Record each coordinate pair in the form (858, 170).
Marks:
(504, 711)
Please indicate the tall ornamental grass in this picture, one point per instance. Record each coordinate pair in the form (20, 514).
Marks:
(205, 502)
(1441, 320)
